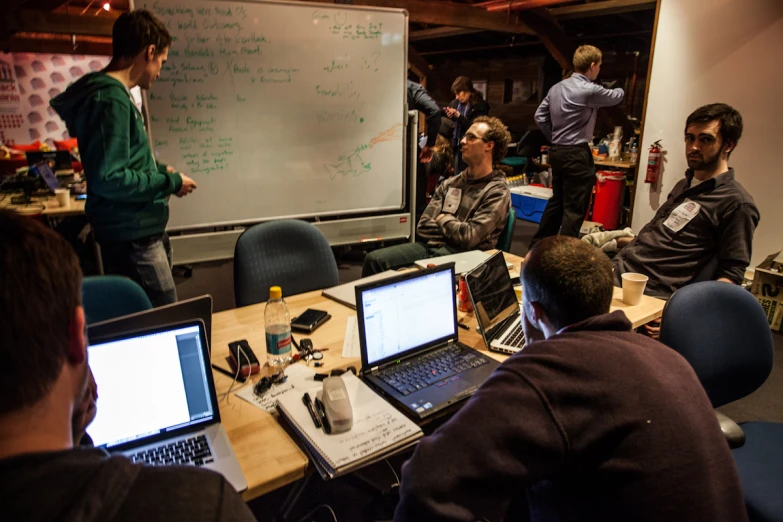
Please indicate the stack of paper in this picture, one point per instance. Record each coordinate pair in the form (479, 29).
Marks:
(378, 430)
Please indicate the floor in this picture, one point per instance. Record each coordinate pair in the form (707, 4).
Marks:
(371, 496)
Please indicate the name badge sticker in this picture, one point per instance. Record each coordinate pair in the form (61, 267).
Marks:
(682, 215)
(453, 197)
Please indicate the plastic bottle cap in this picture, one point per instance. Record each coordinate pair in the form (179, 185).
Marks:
(275, 292)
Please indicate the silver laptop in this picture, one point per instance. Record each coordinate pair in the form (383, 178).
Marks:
(496, 306)
(463, 262)
(157, 403)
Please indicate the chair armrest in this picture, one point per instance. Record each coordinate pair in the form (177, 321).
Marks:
(731, 430)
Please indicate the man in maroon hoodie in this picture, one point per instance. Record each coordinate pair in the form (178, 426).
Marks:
(591, 421)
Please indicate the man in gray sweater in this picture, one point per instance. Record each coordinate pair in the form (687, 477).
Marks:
(591, 421)
(47, 399)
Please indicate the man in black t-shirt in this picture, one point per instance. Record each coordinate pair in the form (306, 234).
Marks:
(47, 398)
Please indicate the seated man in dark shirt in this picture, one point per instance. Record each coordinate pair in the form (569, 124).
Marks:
(47, 398)
(591, 421)
(467, 211)
(705, 229)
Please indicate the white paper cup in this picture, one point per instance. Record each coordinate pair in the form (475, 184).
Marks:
(63, 196)
(633, 288)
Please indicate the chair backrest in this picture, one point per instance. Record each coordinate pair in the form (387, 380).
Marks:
(108, 296)
(722, 331)
(289, 253)
(504, 240)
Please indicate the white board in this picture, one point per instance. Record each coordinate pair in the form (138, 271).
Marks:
(281, 109)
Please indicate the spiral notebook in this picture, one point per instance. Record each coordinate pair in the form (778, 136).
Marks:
(378, 431)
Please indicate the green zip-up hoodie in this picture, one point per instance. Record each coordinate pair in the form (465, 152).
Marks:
(126, 189)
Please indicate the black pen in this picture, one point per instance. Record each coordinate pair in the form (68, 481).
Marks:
(319, 406)
(309, 403)
(239, 378)
(463, 326)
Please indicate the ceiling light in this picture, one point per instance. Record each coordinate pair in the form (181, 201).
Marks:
(106, 6)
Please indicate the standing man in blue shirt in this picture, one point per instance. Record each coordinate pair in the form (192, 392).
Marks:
(567, 119)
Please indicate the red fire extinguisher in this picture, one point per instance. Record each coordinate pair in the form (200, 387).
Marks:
(653, 163)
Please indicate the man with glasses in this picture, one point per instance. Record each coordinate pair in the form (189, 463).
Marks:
(567, 119)
(467, 211)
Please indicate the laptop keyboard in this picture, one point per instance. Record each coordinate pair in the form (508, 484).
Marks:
(515, 337)
(412, 376)
(194, 450)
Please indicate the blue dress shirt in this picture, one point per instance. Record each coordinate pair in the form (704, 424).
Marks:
(567, 114)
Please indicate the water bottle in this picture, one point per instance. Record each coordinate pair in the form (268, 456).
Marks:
(277, 323)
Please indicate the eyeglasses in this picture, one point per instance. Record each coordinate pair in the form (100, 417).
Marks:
(469, 136)
(263, 385)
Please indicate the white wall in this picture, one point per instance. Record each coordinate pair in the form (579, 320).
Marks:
(728, 51)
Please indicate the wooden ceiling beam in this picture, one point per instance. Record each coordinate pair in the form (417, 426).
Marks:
(551, 35)
(451, 14)
(518, 5)
(439, 32)
(604, 7)
(30, 21)
(417, 63)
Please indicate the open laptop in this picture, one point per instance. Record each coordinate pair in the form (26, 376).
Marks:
(156, 400)
(58, 160)
(45, 172)
(496, 306)
(180, 312)
(463, 262)
(409, 343)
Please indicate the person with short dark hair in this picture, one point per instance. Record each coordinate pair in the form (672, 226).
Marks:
(567, 119)
(467, 212)
(47, 399)
(467, 105)
(590, 421)
(127, 190)
(705, 229)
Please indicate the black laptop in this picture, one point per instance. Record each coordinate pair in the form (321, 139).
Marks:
(496, 306)
(409, 342)
(58, 160)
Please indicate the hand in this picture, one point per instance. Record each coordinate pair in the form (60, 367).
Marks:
(451, 112)
(426, 154)
(188, 186)
(170, 169)
(653, 329)
(84, 412)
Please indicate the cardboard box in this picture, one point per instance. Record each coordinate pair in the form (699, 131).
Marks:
(768, 289)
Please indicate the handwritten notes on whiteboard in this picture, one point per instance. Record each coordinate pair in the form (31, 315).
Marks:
(280, 109)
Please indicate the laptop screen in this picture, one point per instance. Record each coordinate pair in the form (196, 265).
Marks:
(149, 384)
(492, 292)
(47, 175)
(398, 317)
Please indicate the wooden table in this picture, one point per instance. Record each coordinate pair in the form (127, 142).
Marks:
(52, 209)
(268, 456)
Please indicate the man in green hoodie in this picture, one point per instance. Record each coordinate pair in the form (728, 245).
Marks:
(127, 190)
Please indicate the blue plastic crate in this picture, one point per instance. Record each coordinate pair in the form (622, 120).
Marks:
(528, 208)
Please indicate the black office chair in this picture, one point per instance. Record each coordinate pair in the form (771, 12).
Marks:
(289, 253)
(723, 332)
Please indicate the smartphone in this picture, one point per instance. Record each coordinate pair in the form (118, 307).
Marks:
(242, 356)
(309, 320)
(81, 196)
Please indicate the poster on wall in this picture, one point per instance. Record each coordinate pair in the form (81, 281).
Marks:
(11, 118)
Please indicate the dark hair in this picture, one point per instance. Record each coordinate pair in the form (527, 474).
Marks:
(570, 279)
(40, 288)
(498, 134)
(462, 83)
(730, 121)
(133, 32)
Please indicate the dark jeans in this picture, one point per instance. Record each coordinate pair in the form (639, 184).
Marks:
(147, 261)
(573, 178)
(398, 256)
